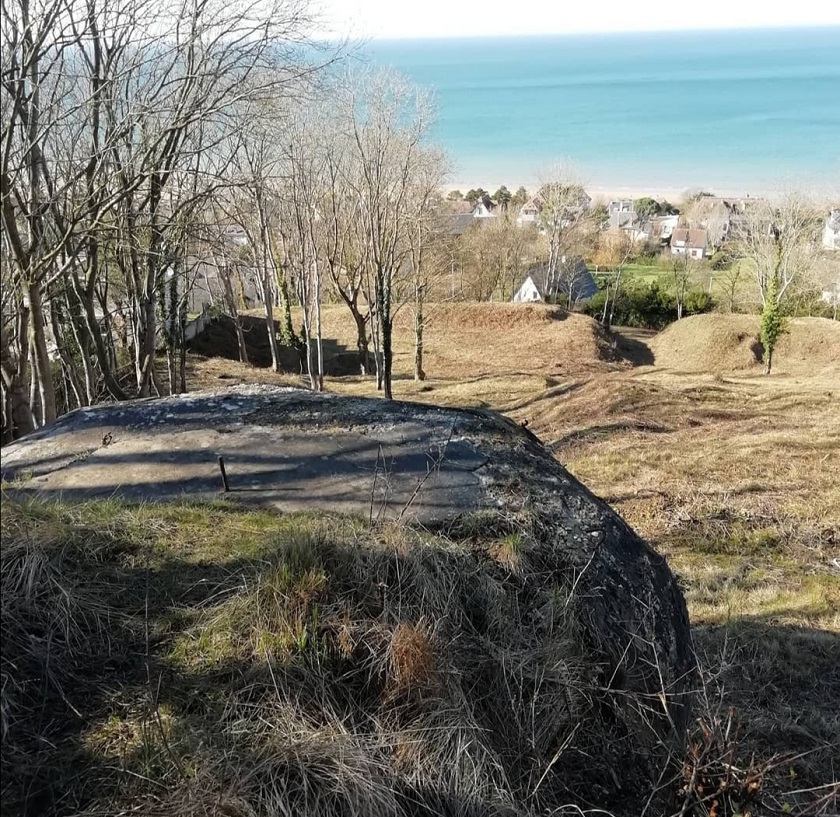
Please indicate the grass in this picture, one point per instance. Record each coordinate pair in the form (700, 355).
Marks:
(208, 659)
(734, 476)
(742, 494)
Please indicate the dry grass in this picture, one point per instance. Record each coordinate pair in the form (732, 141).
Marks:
(464, 341)
(734, 476)
(208, 659)
(724, 343)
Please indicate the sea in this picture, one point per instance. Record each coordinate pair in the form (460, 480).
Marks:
(729, 111)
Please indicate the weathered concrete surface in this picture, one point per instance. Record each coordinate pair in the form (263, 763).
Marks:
(281, 447)
(293, 450)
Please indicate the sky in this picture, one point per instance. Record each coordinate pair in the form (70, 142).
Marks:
(467, 18)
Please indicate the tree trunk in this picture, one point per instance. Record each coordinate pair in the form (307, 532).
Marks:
(318, 339)
(234, 313)
(307, 340)
(40, 355)
(387, 360)
(768, 362)
(386, 328)
(14, 372)
(69, 367)
(21, 418)
(145, 359)
(268, 311)
(114, 389)
(605, 310)
(616, 290)
(287, 331)
(171, 369)
(361, 341)
(75, 310)
(182, 344)
(419, 374)
(376, 338)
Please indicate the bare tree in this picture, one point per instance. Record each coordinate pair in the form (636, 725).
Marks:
(345, 248)
(681, 269)
(729, 281)
(424, 229)
(564, 206)
(215, 239)
(496, 252)
(304, 153)
(778, 241)
(387, 121)
(614, 251)
(118, 121)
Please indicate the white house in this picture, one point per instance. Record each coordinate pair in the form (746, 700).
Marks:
(638, 235)
(689, 242)
(528, 292)
(530, 211)
(662, 228)
(572, 280)
(831, 232)
(483, 210)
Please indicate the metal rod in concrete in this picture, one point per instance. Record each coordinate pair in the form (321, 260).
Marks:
(224, 475)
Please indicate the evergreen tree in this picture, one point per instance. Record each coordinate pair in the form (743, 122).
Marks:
(772, 323)
(503, 197)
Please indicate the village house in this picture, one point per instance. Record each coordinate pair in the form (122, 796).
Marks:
(688, 242)
(578, 201)
(573, 281)
(831, 231)
(529, 213)
(622, 213)
(717, 215)
(661, 228)
(637, 235)
(459, 222)
(485, 208)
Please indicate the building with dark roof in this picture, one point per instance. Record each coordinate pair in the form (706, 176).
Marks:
(571, 282)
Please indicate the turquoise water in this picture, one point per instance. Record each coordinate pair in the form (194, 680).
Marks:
(732, 110)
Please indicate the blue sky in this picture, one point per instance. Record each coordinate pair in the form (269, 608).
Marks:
(464, 18)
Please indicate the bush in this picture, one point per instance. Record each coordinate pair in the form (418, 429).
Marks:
(648, 306)
(808, 304)
(722, 259)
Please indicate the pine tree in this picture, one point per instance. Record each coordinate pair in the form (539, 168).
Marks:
(772, 323)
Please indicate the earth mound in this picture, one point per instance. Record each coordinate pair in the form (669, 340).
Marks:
(461, 340)
(521, 650)
(470, 339)
(703, 343)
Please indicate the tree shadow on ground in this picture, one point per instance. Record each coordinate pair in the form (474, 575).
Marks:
(632, 346)
(219, 339)
(133, 721)
(784, 682)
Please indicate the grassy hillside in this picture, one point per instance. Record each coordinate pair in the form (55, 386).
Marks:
(735, 476)
(721, 343)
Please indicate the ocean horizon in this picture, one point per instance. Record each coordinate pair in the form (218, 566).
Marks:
(731, 111)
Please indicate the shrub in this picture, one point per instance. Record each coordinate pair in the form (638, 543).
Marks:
(648, 306)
